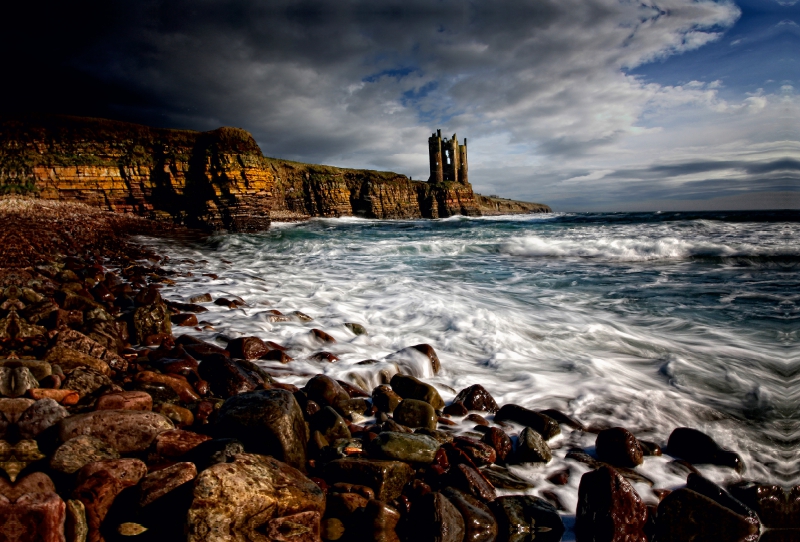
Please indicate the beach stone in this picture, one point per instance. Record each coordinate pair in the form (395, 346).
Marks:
(499, 440)
(41, 415)
(161, 393)
(125, 400)
(563, 418)
(85, 381)
(63, 397)
(76, 529)
(184, 320)
(546, 426)
(342, 505)
(531, 448)
(707, 488)
(617, 446)
(776, 508)
(150, 320)
(385, 478)
(696, 447)
(247, 348)
(77, 452)
(126, 430)
(477, 419)
(650, 448)
(254, 494)
(329, 424)
(476, 397)
(30, 510)
(331, 529)
(180, 416)
(687, 515)
(385, 399)
(15, 381)
(157, 484)
(177, 442)
(415, 413)
(524, 518)
(469, 480)
(455, 409)
(185, 392)
(322, 336)
(410, 447)
(435, 518)
(357, 329)
(70, 359)
(409, 387)
(609, 508)
(631, 474)
(325, 391)
(211, 452)
(480, 453)
(503, 478)
(266, 421)
(480, 524)
(376, 521)
(201, 298)
(227, 378)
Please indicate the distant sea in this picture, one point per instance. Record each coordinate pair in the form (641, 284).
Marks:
(644, 320)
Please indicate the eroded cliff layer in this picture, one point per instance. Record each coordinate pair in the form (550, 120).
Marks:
(217, 179)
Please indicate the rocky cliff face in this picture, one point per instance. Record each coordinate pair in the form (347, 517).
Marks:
(217, 179)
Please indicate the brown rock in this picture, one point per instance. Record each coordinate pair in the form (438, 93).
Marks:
(609, 509)
(524, 517)
(469, 480)
(180, 416)
(254, 494)
(77, 452)
(435, 518)
(476, 397)
(227, 378)
(325, 391)
(479, 452)
(332, 529)
(151, 320)
(479, 522)
(415, 413)
(76, 528)
(70, 359)
(386, 478)
(202, 298)
(322, 336)
(157, 484)
(497, 439)
(696, 447)
(376, 521)
(431, 354)
(687, 515)
(86, 381)
(31, 510)
(342, 505)
(184, 390)
(247, 348)
(176, 442)
(456, 409)
(39, 416)
(385, 399)
(617, 446)
(184, 320)
(409, 387)
(546, 426)
(63, 396)
(125, 400)
(126, 430)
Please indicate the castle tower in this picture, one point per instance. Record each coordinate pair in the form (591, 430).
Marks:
(448, 159)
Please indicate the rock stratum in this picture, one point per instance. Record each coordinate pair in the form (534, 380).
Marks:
(218, 179)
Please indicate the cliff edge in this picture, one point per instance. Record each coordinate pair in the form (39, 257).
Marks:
(217, 179)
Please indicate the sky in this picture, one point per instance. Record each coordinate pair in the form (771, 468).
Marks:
(586, 105)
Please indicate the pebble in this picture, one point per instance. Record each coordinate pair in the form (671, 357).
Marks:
(125, 400)
(409, 387)
(476, 397)
(415, 413)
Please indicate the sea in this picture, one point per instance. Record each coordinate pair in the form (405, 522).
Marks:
(649, 321)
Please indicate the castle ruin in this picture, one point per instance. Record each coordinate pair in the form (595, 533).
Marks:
(448, 159)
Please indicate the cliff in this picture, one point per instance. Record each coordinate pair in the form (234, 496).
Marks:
(216, 179)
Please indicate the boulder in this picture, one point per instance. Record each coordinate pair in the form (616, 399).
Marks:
(546, 426)
(251, 497)
(385, 478)
(70, 359)
(78, 341)
(687, 515)
(125, 430)
(696, 447)
(617, 446)
(409, 387)
(415, 413)
(476, 397)
(269, 422)
(609, 509)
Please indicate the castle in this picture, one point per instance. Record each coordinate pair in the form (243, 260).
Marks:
(448, 159)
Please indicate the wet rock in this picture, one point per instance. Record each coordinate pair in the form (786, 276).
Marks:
(523, 518)
(176, 442)
(385, 478)
(609, 508)
(385, 399)
(376, 521)
(470, 481)
(562, 418)
(185, 392)
(322, 336)
(70, 359)
(266, 421)
(476, 397)
(77, 452)
(687, 515)
(125, 400)
(582, 457)
(125, 430)
(409, 447)
(409, 387)
(707, 488)
(63, 397)
(247, 348)
(180, 416)
(357, 329)
(503, 478)
(428, 351)
(497, 439)
(442, 437)
(277, 355)
(480, 524)
(456, 409)
(150, 320)
(184, 320)
(353, 406)
(330, 425)
(415, 413)
(617, 446)
(212, 452)
(531, 448)
(161, 393)
(479, 452)
(352, 390)
(85, 381)
(696, 447)
(650, 448)
(201, 298)
(31, 510)
(435, 518)
(776, 508)
(157, 484)
(227, 378)
(342, 505)
(40, 416)
(546, 426)
(325, 356)
(559, 478)
(254, 495)
(325, 391)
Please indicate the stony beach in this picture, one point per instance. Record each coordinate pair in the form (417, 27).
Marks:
(115, 425)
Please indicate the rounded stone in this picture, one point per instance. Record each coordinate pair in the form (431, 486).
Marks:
(415, 413)
(80, 451)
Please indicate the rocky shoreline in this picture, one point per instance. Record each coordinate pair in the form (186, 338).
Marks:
(116, 426)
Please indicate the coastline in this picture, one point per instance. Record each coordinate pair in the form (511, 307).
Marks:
(191, 426)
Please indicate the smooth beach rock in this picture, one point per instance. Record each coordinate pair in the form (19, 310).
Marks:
(415, 413)
(617, 446)
(609, 508)
(70, 359)
(227, 378)
(385, 478)
(546, 426)
(707, 488)
(357, 329)
(502, 478)
(376, 521)
(247, 348)
(329, 424)
(81, 343)
(77, 452)
(185, 392)
(696, 447)
(322, 336)
(409, 387)
(125, 400)
(650, 448)
(480, 524)
(86, 381)
(62, 397)
(470, 481)
(480, 453)
(632, 475)
(126, 430)
(410, 447)
(455, 409)
(435, 518)
(499, 440)
(157, 484)
(776, 508)
(268, 422)
(200, 298)
(325, 391)
(176, 442)
(342, 505)
(476, 397)
(523, 518)
(180, 416)
(385, 399)
(184, 320)
(531, 448)
(41, 415)
(251, 495)
(563, 418)
(687, 515)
